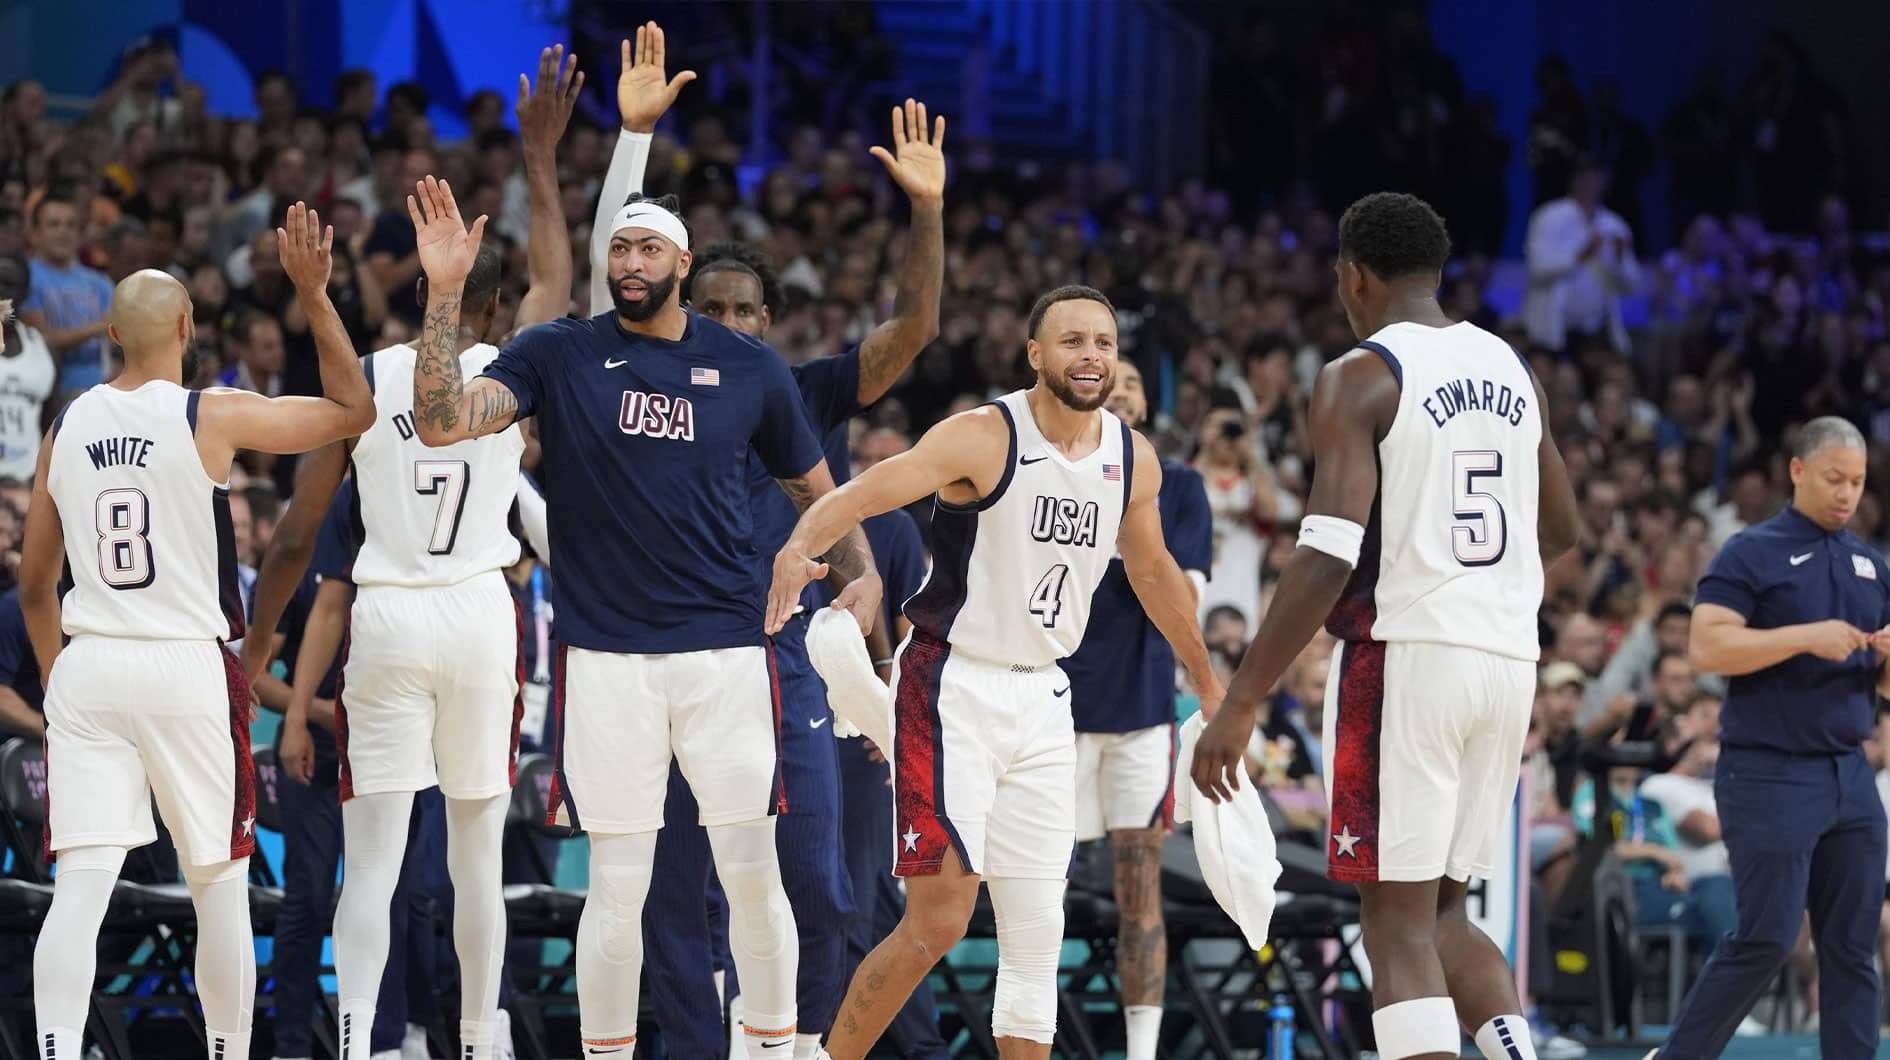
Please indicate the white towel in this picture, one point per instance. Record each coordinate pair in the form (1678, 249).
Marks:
(1233, 842)
(861, 702)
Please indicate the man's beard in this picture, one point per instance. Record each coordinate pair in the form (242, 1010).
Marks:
(655, 296)
(1060, 386)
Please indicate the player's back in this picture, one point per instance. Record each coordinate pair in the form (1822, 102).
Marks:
(1012, 575)
(147, 533)
(1451, 555)
(430, 516)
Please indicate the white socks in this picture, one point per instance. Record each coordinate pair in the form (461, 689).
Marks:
(1144, 1023)
(1506, 1038)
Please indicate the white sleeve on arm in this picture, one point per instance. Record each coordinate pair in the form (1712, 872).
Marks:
(531, 516)
(624, 177)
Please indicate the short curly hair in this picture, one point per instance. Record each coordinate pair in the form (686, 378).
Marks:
(1394, 235)
(737, 257)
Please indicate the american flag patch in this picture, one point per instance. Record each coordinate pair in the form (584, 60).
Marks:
(1112, 472)
(705, 377)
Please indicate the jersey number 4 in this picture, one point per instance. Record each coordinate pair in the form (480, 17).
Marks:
(1046, 600)
(1481, 533)
(124, 544)
(447, 478)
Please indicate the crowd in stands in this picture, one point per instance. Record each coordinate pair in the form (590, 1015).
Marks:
(1674, 418)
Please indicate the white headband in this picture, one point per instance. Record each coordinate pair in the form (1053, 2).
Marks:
(648, 215)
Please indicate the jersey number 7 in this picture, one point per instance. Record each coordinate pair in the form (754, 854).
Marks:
(447, 478)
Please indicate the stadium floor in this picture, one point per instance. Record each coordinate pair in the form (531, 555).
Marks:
(1770, 1047)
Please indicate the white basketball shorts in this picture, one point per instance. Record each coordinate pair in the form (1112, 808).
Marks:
(1422, 745)
(1124, 780)
(129, 719)
(621, 717)
(430, 690)
(984, 763)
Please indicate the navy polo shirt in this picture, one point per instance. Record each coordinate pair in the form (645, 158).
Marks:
(1786, 571)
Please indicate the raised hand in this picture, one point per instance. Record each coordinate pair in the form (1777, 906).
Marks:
(544, 109)
(446, 248)
(643, 93)
(916, 162)
(303, 247)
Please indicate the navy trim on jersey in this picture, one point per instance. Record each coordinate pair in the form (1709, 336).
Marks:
(935, 606)
(358, 528)
(1390, 358)
(1528, 371)
(229, 587)
(59, 421)
(190, 410)
(1004, 483)
(1128, 464)
(367, 369)
(1352, 618)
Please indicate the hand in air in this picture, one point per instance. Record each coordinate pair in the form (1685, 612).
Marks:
(792, 572)
(446, 248)
(643, 93)
(303, 247)
(917, 161)
(544, 109)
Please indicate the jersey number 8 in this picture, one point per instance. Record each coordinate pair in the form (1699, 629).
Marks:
(124, 549)
(1481, 533)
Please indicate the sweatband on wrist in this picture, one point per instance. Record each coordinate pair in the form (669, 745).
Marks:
(1339, 538)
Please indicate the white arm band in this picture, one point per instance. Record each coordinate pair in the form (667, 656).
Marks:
(625, 175)
(1340, 538)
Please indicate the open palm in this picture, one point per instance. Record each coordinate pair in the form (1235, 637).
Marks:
(644, 92)
(446, 248)
(917, 161)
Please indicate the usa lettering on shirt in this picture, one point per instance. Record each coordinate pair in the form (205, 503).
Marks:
(657, 416)
(1064, 521)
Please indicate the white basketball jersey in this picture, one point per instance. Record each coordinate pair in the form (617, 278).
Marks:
(1451, 554)
(430, 517)
(1012, 575)
(148, 535)
(26, 381)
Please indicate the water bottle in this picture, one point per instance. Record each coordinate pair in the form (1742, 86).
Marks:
(1280, 1031)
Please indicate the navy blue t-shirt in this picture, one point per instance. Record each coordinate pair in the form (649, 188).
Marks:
(335, 546)
(646, 445)
(900, 557)
(1123, 674)
(19, 667)
(1782, 572)
(830, 394)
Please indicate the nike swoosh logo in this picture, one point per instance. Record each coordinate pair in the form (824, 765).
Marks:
(603, 1052)
(1060, 695)
(1026, 461)
(1796, 560)
(777, 1045)
(816, 723)
(615, 364)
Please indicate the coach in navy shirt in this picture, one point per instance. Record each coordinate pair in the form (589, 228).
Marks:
(1122, 693)
(1796, 610)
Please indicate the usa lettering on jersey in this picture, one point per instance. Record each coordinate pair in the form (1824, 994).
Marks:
(657, 416)
(1475, 395)
(1064, 521)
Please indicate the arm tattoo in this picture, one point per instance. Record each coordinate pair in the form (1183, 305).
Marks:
(799, 491)
(440, 390)
(490, 409)
(852, 557)
(888, 350)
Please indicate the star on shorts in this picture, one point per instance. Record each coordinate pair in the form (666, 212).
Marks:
(1346, 841)
(912, 839)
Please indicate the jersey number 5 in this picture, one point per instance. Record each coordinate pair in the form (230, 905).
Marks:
(124, 549)
(447, 478)
(1046, 600)
(1481, 533)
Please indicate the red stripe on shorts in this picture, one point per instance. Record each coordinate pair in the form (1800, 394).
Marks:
(921, 831)
(1352, 846)
(560, 787)
(346, 775)
(243, 810)
(518, 697)
(777, 802)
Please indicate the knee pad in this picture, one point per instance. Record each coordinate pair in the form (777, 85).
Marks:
(621, 868)
(750, 872)
(1417, 1027)
(1030, 939)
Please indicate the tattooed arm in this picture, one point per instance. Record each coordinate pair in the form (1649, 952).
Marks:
(849, 560)
(447, 409)
(919, 168)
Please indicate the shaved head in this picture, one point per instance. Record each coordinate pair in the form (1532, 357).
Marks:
(151, 318)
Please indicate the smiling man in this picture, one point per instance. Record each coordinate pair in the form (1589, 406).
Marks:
(1036, 491)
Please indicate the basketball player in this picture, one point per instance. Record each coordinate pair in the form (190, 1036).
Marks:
(1438, 500)
(145, 700)
(735, 286)
(430, 687)
(648, 413)
(1033, 489)
(1122, 694)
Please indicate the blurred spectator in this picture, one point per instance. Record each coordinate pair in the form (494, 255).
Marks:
(1581, 262)
(1558, 128)
(1685, 796)
(28, 375)
(259, 356)
(1242, 496)
(68, 301)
